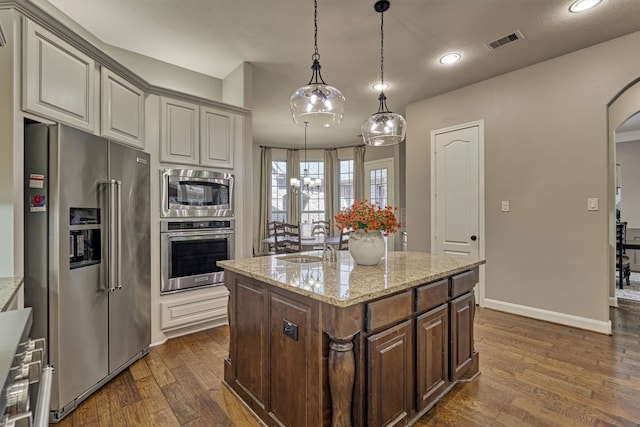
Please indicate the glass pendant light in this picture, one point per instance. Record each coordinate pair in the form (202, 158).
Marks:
(317, 104)
(383, 127)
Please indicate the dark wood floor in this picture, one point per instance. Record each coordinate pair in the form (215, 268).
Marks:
(533, 373)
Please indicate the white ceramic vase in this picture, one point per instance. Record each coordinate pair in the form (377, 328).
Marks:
(366, 248)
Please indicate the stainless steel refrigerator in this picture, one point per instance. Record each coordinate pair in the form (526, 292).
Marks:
(87, 256)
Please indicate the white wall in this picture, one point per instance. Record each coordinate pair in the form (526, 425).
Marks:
(546, 145)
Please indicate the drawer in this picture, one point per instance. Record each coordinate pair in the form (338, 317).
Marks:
(388, 311)
(464, 282)
(432, 295)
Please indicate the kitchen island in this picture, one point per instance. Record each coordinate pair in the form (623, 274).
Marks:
(315, 344)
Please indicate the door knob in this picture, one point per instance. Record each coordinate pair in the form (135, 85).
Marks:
(474, 237)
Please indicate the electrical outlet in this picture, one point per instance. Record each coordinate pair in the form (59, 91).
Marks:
(290, 329)
(505, 206)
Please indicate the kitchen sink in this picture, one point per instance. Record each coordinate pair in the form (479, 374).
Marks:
(300, 259)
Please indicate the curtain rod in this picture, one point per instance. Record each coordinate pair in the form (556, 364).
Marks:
(301, 149)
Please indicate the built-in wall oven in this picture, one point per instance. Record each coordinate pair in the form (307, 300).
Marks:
(189, 252)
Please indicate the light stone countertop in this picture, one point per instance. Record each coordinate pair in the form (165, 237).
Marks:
(8, 288)
(343, 283)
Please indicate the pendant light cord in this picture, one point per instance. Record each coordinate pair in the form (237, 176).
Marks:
(382, 52)
(316, 76)
(380, 7)
(316, 55)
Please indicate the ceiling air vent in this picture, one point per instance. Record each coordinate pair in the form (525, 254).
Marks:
(505, 40)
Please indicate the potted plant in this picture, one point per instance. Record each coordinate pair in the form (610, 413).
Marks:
(370, 223)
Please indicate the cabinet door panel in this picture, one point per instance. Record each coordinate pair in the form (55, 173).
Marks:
(462, 313)
(432, 355)
(217, 135)
(390, 373)
(290, 361)
(179, 136)
(59, 80)
(122, 110)
(250, 356)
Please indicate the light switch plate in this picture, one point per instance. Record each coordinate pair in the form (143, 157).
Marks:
(592, 204)
(505, 206)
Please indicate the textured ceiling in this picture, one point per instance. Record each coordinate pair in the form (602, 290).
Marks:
(214, 36)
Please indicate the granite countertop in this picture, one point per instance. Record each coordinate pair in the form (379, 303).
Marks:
(343, 283)
(8, 288)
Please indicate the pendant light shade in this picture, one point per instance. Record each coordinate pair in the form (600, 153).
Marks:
(383, 127)
(317, 104)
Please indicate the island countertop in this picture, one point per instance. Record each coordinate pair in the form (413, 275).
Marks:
(343, 283)
(9, 286)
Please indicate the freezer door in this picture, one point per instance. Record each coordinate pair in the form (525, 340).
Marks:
(78, 302)
(130, 302)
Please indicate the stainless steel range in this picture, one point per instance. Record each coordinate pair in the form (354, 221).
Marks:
(26, 383)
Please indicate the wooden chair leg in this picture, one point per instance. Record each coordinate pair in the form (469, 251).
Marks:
(628, 276)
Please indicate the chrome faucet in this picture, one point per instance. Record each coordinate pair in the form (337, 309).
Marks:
(329, 253)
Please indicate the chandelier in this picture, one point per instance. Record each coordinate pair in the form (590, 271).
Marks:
(383, 127)
(317, 104)
(307, 184)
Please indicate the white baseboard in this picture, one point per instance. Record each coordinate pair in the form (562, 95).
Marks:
(613, 301)
(603, 327)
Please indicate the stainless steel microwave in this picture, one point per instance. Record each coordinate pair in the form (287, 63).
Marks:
(196, 193)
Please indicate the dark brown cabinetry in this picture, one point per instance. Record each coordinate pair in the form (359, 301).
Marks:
(390, 356)
(297, 360)
(462, 351)
(432, 355)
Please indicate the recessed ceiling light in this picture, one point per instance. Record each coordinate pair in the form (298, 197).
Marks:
(582, 5)
(380, 86)
(450, 58)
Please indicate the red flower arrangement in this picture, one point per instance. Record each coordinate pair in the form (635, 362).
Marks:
(366, 216)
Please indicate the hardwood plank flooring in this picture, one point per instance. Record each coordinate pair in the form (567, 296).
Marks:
(533, 373)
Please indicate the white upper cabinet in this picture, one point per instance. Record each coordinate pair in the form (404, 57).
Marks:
(217, 136)
(179, 132)
(122, 107)
(58, 80)
(198, 135)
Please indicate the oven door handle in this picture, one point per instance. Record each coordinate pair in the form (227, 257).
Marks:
(196, 234)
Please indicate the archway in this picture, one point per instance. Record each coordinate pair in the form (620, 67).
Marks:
(624, 105)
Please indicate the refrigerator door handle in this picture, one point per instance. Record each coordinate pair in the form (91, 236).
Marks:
(117, 256)
(113, 236)
(104, 188)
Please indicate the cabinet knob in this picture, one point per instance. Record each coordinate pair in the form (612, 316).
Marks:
(474, 237)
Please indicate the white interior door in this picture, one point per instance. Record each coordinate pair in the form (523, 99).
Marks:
(378, 186)
(457, 203)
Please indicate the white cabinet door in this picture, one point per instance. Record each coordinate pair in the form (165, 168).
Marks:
(217, 137)
(179, 133)
(122, 107)
(58, 80)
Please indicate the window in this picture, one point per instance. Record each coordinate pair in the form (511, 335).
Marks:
(346, 184)
(313, 202)
(279, 189)
(378, 190)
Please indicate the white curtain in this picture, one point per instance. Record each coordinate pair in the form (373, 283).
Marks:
(358, 173)
(331, 182)
(264, 210)
(293, 200)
